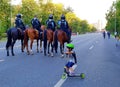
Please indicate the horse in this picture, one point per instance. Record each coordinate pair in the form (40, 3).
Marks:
(32, 34)
(61, 37)
(48, 40)
(14, 34)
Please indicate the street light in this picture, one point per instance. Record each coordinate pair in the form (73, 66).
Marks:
(115, 16)
(10, 3)
(11, 13)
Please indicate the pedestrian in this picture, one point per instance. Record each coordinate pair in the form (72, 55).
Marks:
(108, 33)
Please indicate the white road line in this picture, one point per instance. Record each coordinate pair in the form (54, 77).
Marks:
(61, 81)
(91, 47)
(1, 60)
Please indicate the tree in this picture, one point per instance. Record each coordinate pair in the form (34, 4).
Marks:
(4, 15)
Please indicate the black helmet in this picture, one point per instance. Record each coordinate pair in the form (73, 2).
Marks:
(18, 15)
(50, 16)
(62, 17)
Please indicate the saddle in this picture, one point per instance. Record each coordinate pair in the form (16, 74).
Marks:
(20, 32)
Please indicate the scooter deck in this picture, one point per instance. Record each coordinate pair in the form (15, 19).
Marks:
(75, 75)
(82, 75)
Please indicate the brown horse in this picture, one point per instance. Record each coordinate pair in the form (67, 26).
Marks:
(48, 40)
(62, 37)
(32, 34)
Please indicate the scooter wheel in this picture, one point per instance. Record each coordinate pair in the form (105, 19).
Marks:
(64, 76)
(82, 75)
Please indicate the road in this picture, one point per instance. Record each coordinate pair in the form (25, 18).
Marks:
(98, 58)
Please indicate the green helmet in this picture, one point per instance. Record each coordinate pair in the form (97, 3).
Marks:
(70, 46)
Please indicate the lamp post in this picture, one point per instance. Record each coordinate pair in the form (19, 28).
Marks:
(115, 16)
(115, 20)
(11, 13)
(10, 3)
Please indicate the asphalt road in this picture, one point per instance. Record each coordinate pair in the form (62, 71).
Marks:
(98, 58)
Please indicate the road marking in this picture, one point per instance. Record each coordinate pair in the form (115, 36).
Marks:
(91, 47)
(1, 60)
(61, 81)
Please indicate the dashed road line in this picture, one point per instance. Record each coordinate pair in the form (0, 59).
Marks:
(61, 81)
(1, 60)
(91, 47)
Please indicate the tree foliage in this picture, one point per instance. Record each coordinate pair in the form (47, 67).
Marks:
(113, 17)
(41, 8)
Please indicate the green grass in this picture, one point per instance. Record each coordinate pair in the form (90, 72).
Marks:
(3, 39)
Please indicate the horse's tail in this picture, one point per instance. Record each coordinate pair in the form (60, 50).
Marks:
(45, 39)
(55, 40)
(9, 38)
(25, 38)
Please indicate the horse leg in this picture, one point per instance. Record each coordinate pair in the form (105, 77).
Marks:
(12, 51)
(52, 49)
(37, 45)
(41, 46)
(48, 48)
(22, 47)
(45, 47)
(7, 48)
(31, 46)
(28, 52)
(61, 50)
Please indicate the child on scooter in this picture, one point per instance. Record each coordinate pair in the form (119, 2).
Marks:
(68, 69)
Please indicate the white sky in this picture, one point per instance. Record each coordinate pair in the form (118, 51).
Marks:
(90, 10)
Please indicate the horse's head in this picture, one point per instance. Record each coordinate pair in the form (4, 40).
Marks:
(43, 27)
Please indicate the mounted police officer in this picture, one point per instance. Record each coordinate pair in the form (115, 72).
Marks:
(36, 25)
(19, 23)
(63, 25)
(51, 23)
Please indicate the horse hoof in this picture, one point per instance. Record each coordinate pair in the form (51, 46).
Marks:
(37, 51)
(13, 54)
(48, 54)
(28, 53)
(41, 51)
(62, 56)
(32, 53)
(52, 55)
(7, 54)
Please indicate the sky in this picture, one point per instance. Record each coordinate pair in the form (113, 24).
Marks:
(90, 10)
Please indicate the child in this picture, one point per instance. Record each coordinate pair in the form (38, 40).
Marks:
(68, 69)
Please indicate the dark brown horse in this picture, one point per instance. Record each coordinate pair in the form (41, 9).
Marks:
(32, 34)
(48, 40)
(61, 37)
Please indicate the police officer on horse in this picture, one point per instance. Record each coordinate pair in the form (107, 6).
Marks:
(19, 23)
(51, 23)
(63, 25)
(36, 25)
